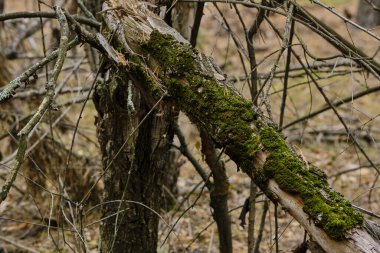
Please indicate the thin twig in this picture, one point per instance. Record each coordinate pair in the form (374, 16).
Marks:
(84, 9)
(16, 15)
(262, 226)
(276, 227)
(252, 216)
(284, 46)
(196, 24)
(286, 78)
(327, 100)
(10, 88)
(186, 152)
(45, 104)
(18, 245)
(345, 100)
(331, 9)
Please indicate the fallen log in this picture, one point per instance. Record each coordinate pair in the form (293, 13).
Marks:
(161, 62)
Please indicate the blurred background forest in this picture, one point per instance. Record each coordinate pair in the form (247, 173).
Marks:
(30, 214)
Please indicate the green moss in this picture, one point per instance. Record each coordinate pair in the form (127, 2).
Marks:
(178, 59)
(139, 71)
(229, 119)
(203, 99)
(327, 208)
(105, 31)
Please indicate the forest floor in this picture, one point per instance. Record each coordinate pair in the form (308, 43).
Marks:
(321, 141)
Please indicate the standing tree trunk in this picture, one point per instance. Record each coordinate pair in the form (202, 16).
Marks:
(135, 142)
(369, 13)
(218, 193)
(139, 172)
(135, 163)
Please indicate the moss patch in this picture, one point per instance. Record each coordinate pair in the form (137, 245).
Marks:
(327, 208)
(228, 119)
(207, 103)
(178, 58)
(139, 70)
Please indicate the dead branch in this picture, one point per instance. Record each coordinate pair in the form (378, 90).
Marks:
(44, 106)
(163, 60)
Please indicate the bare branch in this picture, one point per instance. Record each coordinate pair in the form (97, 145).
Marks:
(45, 104)
(17, 15)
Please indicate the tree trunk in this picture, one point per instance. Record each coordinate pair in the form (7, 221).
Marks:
(164, 63)
(135, 163)
(218, 193)
(369, 13)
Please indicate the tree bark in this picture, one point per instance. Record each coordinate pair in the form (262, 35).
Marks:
(164, 63)
(135, 163)
(368, 13)
(218, 193)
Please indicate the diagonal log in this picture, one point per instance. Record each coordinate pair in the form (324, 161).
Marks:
(161, 62)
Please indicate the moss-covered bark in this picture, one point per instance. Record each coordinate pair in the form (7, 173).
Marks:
(328, 208)
(225, 115)
(234, 126)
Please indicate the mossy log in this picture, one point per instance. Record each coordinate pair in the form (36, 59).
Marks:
(162, 63)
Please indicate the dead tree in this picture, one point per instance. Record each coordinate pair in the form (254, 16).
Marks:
(149, 68)
(162, 63)
(135, 142)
